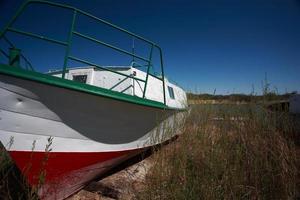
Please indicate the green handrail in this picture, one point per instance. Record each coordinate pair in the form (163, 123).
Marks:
(72, 32)
(69, 44)
(148, 70)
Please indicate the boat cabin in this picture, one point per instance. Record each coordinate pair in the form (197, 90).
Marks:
(118, 78)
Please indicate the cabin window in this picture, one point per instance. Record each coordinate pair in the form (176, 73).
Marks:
(171, 92)
(80, 78)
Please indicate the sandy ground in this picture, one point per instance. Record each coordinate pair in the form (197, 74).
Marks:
(121, 185)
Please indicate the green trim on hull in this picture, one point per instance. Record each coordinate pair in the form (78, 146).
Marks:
(64, 83)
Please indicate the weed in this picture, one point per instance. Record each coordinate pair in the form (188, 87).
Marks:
(227, 152)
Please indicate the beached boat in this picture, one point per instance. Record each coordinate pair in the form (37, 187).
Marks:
(67, 127)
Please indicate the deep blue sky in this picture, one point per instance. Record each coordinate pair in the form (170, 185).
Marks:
(227, 45)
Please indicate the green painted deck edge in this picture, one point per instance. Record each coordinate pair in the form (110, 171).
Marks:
(52, 80)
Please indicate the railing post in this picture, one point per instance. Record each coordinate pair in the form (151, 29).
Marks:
(14, 57)
(162, 73)
(69, 44)
(148, 70)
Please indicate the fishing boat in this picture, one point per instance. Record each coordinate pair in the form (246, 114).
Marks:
(66, 127)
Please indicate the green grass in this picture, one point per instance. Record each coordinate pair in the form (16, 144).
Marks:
(227, 152)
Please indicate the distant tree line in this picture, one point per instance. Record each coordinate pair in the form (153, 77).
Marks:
(268, 96)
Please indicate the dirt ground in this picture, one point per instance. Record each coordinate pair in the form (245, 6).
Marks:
(121, 185)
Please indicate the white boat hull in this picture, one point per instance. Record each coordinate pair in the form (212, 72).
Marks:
(82, 135)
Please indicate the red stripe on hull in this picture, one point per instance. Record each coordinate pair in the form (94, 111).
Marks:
(65, 172)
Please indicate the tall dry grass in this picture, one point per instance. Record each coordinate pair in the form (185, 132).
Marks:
(227, 152)
(13, 184)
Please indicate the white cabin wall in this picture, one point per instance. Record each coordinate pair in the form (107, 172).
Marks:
(154, 90)
(110, 80)
(103, 79)
(138, 86)
(180, 100)
(58, 75)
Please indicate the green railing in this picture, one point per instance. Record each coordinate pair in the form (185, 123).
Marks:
(72, 32)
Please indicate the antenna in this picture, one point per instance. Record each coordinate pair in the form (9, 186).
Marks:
(132, 48)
